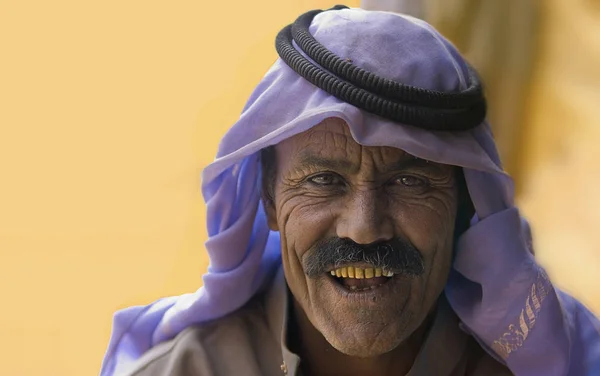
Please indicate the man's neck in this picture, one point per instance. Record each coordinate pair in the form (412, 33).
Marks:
(319, 358)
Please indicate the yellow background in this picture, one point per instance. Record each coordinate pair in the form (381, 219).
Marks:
(108, 112)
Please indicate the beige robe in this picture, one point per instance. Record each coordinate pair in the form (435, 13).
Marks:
(251, 342)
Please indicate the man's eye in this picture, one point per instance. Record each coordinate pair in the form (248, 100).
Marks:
(324, 179)
(411, 181)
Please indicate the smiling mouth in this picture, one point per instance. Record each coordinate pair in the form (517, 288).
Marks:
(361, 279)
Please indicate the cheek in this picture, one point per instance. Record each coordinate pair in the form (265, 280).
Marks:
(429, 225)
(302, 223)
(305, 222)
(428, 222)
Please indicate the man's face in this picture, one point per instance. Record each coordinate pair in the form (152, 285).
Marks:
(332, 195)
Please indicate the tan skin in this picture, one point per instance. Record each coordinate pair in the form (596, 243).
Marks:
(326, 186)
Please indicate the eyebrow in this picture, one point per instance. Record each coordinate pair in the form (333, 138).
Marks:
(404, 164)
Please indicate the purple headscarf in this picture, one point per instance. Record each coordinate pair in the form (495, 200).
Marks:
(501, 295)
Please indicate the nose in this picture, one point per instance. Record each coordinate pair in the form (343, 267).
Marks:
(365, 218)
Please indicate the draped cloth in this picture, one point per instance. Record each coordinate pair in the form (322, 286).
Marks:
(499, 38)
(500, 294)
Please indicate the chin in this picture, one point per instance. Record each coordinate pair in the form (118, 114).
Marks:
(369, 323)
(369, 345)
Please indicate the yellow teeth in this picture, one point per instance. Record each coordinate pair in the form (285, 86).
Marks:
(360, 273)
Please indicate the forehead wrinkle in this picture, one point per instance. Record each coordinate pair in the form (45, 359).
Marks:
(330, 139)
(382, 156)
(333, 125)
(330, 145)
(391, 159)
(337, 164)
(373, 159)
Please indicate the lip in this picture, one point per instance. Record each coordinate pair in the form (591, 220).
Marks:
(371, 296)
(361, 265)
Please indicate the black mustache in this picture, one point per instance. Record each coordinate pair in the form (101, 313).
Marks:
(396, 255)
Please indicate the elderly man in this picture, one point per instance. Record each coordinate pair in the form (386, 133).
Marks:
(360, 223)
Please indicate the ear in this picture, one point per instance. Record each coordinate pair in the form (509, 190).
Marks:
(271, 213)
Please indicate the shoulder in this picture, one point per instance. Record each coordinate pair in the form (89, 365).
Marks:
(207, 349)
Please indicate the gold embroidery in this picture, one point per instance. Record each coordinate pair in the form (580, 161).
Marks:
(523, 325)
(536, 302)
(516, 335)
(530, 313)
